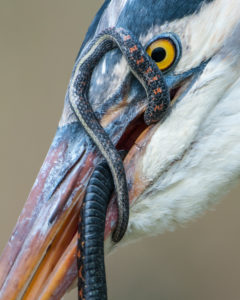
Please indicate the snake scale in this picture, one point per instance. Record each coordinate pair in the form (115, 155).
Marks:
(91, 268)
(149, 75)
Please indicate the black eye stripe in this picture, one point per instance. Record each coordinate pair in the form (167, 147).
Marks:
(158, 54)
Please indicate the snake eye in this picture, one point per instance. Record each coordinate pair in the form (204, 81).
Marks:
(165, 50)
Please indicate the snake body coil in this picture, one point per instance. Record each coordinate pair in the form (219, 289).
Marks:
(91, 270)
(151, 78)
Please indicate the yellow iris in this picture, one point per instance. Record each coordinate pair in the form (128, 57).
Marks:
(163, 52)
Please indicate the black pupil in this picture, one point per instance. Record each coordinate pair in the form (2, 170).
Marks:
(158, 54)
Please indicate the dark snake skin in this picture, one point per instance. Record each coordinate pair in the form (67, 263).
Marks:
(147, 72)
(145, 69)
(91, 268)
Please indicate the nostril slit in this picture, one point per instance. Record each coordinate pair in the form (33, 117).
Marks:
(173, 92)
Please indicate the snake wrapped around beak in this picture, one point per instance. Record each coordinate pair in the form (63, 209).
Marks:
(90, 244)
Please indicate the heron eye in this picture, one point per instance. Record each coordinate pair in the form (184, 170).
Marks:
(164, 51)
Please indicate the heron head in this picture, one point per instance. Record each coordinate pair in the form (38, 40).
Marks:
(175, 168)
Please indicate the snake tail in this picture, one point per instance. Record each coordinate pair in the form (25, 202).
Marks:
(90, 257)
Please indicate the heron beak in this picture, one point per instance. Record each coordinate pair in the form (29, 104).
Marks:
(39, 261)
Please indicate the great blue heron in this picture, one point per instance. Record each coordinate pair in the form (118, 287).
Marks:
(197, 145)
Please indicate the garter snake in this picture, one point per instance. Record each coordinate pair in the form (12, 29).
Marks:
(147, 72)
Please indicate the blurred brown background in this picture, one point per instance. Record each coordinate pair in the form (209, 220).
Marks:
(38, 44)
